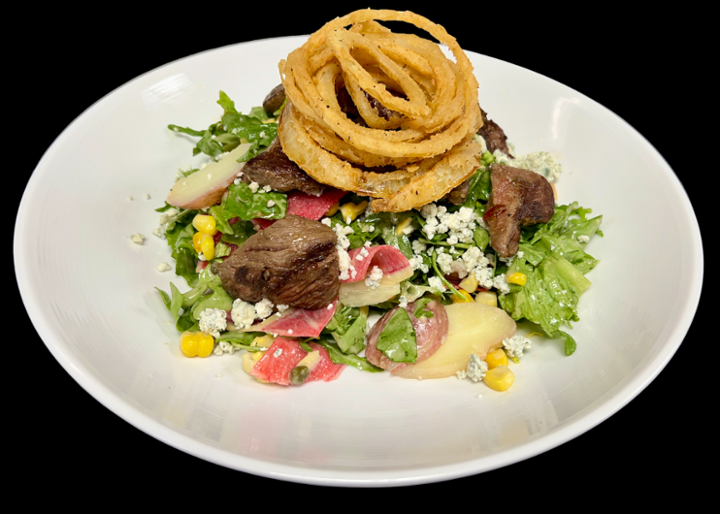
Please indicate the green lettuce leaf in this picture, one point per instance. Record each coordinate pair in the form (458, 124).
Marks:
(397, 339)
(243, 203)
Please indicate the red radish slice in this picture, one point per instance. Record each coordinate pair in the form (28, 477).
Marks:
(354, 292)
(326, 369)
(430, 333)
(307, 206)
(313, 207)
(285, 354)
(278, 361)
(389, 259)
(298, 322)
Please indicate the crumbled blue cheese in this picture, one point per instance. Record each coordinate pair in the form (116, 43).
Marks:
(254, 186)
(223, 347)
(277, 353)
(515, 345)
(213, 321)
(543, 163)
(138, 239)
(372, 280)
(417, 263)
(436, 284)
(475, 371)
(347, 270)
(476, 368)
(242, 314)
(501, 284)
(583, 239)
(163, 266)
(342, 232)
(263, 309)
(165, 218)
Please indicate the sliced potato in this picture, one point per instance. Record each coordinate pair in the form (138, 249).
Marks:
(473, 328)
(205, 188)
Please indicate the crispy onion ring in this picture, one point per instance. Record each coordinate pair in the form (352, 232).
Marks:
(423, 126)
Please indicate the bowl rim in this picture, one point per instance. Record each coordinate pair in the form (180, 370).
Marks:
(53, 341)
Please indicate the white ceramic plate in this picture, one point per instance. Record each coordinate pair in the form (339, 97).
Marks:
(90, 292)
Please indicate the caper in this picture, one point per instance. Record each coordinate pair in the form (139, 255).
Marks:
(214, 268)
(299, 374)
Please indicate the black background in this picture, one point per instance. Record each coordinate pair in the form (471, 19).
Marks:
(636, 65)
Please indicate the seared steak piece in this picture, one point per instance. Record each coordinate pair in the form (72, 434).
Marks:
(383, 111)
(274, 100)
(494, 136)
(292, 262)
(519, 198)
(458, 195)
(273, 168)
(347, 105)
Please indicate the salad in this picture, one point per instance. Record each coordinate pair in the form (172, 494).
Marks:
(301, 279)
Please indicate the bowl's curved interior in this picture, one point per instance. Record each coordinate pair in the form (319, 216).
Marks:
(90, 291)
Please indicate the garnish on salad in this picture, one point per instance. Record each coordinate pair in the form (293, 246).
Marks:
(370, 214)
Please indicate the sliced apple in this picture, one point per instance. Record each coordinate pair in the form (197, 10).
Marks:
(473, 328)
(205, 188)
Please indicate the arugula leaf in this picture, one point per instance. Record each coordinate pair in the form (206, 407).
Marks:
(397, 339)
(347, 327)
(338, 357)
(242, 340)
(241, 231)
(570, 344)
(420, 308)
(186, 130)
(246, 205)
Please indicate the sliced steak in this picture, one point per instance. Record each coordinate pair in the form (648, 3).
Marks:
(383, 111)
(494, 136)
(519, 198)
(458, 195)
(274, 100)
(275, 169)
(430, 333)
(292, 262)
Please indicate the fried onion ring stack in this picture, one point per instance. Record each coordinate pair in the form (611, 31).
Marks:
(410, 150)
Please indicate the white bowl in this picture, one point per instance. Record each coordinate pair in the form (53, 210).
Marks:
(90, 292)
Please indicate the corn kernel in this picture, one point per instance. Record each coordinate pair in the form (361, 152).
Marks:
(196, 241)
(205, 223)
(487, 297)
(469, 284)
(499, 378)
(517, 278)
(196, 344)
(466, 297)
(350, 211)
(400, 229)
(496, 358)
(333, 209)
(207, 246)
